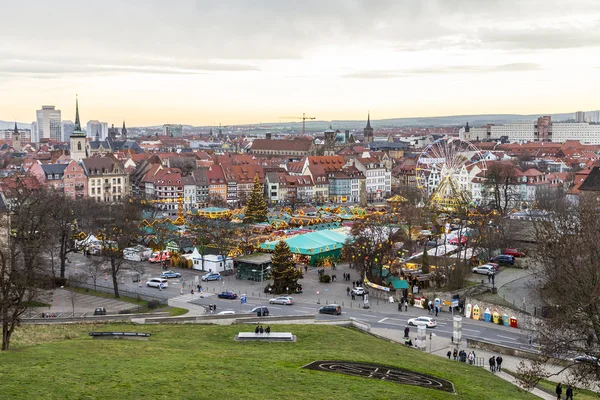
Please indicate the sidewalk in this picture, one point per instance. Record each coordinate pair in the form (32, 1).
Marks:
(440, 346)
(185, 301)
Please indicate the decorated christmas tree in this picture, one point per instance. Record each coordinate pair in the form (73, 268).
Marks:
(256, 210)
(285, 273)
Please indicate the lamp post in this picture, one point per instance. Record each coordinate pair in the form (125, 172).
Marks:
(62, 300)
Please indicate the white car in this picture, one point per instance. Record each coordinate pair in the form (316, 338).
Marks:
(358, 291)
(484, 269)
(227, 312)
(285, 300)
(158, 283)
(427, 321)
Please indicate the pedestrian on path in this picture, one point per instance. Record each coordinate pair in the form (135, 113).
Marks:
(436, 310)
(489, 278)
(569, 392)
(455, 354)
(492, 362)
(405, 304)
(449, 354)
(348, 291)
(406, 331)
(306, 268)
(400, 304)
(559, 391)
(471, 358)
(353, 297)
(499, 363)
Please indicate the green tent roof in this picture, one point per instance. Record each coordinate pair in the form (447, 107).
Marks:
(398, 283)
(312, 243)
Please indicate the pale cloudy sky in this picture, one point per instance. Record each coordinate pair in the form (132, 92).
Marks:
(205, 62)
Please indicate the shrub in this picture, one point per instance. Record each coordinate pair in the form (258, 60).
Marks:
(324, 278)
(152, 304)
(412, 302)
(425, 303)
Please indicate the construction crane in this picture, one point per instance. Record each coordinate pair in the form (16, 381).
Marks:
(303, 118)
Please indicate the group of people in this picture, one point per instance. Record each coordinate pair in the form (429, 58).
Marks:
(568, 392)
(433, 309)
(495, 364)
(403, 302)
(462, 356)
(212, 308)
(259, 329)
(346, 276)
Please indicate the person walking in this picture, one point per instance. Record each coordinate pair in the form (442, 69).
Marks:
(558, 391)
(492, 362)
(406, 331)
(455, 354)
(348, 291)
(430, 307)
(471, 358)
(569, 393)
(499, 363)
(353, 297)
(405, 304)
(489, 278)
(436, 310)
(449, 354)
(400, 305)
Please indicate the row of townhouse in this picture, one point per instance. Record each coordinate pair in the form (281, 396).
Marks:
(102, 178)
(313, 179)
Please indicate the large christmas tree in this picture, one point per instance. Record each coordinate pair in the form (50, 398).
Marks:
(256, 210)
(285, 273)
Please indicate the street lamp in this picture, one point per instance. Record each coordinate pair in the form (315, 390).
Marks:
(62, 300)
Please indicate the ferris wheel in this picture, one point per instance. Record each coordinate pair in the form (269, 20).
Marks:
(445, 169)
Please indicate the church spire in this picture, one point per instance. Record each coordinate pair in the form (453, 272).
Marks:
(124, 130)
(16, 131)
(369, 120)
(77, 123)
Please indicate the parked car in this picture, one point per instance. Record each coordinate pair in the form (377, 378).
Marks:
(427, 321)
(463, 240)
(496, 266)
(227, 312)
(157, 257)
(359, 291)
(485, 269)
(227, 295)
(587, 359)
(100, 311)
(170, 274)
(514, 253)
(212, 276)
(285, 300)
(503, 259)
(333, 309)
(261, 311)
(158, 282)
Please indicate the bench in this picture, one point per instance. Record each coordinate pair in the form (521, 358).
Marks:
(266, 337)
(121, 335)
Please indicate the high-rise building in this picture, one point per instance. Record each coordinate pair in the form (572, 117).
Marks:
(67, 130)
(173, 130)
(34, 133)
(580, 116)
(48, 124)
(593, 117)
(97, 128)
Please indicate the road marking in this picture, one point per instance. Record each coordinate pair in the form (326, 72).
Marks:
(507, 337)
(472, 330)
(308, 308)
(382, 320)
(368, 315)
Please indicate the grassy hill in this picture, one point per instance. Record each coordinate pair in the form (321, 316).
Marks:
(199, 361)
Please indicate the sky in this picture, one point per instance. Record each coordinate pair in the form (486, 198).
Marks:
(235, 62)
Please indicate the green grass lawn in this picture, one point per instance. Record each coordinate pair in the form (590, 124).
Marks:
(142, 305)
(550, 387)
(203, 361)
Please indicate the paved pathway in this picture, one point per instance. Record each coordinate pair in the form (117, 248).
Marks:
(440, 346)
(63, 302)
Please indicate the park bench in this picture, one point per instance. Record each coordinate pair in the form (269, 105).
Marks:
(266, 337)
(120, 335)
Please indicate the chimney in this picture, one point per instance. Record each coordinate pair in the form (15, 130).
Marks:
(268, 135)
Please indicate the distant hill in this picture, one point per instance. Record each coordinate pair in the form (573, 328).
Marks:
(450, 120)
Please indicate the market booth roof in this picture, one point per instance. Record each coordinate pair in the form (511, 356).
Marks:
(312, 243)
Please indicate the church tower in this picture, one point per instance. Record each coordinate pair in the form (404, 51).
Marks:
(78, 150)
(16, 140)
(124, 131)
(368, 131)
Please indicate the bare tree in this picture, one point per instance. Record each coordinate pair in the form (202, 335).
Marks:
(568, 253)
(93, 269)
(117, 226)
(500, 186)
(72, 297)
(24, 240)
(185, 164)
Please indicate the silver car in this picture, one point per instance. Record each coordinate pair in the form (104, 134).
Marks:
(285, 300)
(484, 269)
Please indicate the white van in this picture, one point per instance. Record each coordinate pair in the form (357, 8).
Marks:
(158, 283)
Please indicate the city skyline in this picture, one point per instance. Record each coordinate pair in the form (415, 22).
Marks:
(234, 63)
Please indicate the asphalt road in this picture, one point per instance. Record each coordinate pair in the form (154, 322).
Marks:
(382, 316)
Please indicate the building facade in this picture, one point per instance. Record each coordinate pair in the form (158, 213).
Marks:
(48, 124)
